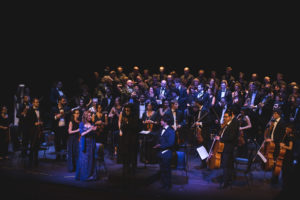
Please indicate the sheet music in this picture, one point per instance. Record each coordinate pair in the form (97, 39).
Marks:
(145, 132)
(262, 156)
(202, 152)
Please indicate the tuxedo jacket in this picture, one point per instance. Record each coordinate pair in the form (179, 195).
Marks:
(166, 92)
(32, 119)
(56, 111)
(166, 141)
(179, 117)
(230, 136)
(228, 96)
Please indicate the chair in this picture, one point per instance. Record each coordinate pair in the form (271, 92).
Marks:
(179, 161)
(241, 165)
(47, 142)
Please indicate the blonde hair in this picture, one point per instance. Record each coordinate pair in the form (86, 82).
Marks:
(85, 116)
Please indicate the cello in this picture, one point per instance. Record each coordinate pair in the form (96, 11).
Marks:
(279, 160)
(198, 130)
(268, 148)
(214, 158)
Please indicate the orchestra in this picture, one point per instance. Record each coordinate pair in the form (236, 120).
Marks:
(224, 115)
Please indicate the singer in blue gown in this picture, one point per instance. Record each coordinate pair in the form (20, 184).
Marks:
(87, 166)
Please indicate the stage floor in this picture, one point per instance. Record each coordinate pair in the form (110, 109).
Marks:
(51, 180)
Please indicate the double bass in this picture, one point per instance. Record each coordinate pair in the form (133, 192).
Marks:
(214, 158)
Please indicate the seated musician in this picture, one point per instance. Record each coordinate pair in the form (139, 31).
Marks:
(228, 136)
(150, 123)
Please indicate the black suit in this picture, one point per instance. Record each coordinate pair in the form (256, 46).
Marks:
(278, 134)
(228, 96)
(164, 91)
(257, 98)
(166, 141)
(179, 117)
(24, 127)
(179, 121)
(107, 103)
(61, 132)
(35, 135)
(54, 96)
(229, 138)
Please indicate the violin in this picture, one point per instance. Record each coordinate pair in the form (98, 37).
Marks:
(179, 139)
(241, 139)
(40, 131)
(149, 126)
(214, 158)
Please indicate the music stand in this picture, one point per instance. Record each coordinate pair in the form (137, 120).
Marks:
(144, 133)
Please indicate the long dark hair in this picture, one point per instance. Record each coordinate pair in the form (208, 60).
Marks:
(131, 115)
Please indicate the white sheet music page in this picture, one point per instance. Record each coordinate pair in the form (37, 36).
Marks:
(202, 152)
(145, 132)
